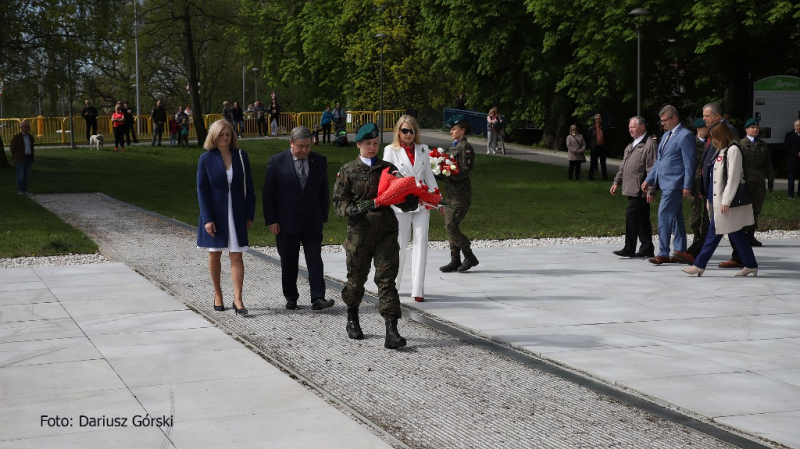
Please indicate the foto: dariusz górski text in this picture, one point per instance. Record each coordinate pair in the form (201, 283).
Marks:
(107, 421)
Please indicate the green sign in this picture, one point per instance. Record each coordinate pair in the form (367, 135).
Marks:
(778, 84)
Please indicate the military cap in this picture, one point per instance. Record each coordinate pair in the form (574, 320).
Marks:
(368, 131)
(750, 122)
(699, 123)
(456, 120)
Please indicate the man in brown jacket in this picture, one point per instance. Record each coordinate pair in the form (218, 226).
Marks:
(22, 153)
(638, 159)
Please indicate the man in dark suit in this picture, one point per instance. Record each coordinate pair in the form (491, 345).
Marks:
(792, 145)
(296, 203)
(673, 174)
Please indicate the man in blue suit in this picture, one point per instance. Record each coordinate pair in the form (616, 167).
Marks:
(673, 174)
(296, 203)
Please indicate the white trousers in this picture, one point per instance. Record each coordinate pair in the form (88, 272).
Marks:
(418, 221)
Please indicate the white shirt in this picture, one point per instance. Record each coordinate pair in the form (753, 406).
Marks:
(27, 139)
(638, 139)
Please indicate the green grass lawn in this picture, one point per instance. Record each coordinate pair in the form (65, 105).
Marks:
(512, 198)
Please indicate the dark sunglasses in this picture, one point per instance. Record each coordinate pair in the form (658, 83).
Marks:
(406, 131)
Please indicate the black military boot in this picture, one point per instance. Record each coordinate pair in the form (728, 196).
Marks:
(455, 262)
(469, 260)
(393, 338)
(353, 327)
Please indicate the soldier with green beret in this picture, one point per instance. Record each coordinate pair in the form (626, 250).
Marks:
(699, 221)
(757, 168)
(458, 192)
(371, 236)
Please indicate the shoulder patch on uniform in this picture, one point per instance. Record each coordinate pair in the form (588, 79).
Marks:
(338, 174)
(468, 151)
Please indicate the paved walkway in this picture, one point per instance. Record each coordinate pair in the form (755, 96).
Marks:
(85, 349)
(439, 392)
(719, 347)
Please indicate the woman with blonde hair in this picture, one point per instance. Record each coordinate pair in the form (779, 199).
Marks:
(723, 177)
(412, 160)
(227, 207)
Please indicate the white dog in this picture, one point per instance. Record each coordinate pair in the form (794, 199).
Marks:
(96, 141)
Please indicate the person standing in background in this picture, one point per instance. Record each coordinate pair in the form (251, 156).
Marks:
(597, 147)
(792, 145)
(576, 147)
(22, 153)
(159, 118)
(89, 114)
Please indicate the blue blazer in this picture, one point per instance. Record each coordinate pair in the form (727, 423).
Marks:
(212, 195)
(297, 211)
(675, 164)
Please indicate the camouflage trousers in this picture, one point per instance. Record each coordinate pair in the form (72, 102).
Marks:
(759, 193)
(361, 250)
(699, 220)
(454, 214)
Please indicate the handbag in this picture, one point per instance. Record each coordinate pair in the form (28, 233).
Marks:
(743, 196)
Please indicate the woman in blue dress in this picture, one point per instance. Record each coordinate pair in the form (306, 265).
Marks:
(227, 207)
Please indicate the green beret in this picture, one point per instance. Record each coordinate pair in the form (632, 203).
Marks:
(456, 120)
(368, 131)
(699, 123)
(750, 122)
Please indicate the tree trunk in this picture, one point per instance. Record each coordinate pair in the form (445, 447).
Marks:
(557, 124)
(191, 66)
(3, 161)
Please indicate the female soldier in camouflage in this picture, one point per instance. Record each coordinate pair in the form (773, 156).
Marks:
(371, 234)
(458, 192)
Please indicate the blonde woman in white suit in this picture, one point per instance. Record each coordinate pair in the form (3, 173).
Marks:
(412, 160)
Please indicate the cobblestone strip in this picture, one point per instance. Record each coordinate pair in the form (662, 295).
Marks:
(439, 392)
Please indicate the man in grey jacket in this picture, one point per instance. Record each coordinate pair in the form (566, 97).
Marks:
(638, 159)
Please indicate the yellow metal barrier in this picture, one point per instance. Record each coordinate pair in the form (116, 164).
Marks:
(56, 130)
(9, 127)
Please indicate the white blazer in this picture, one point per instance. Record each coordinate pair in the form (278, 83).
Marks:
(420, 170)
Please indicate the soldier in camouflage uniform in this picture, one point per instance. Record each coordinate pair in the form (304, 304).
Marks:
(371, 235)
(757, 163)
(699, 220)
(458, 192)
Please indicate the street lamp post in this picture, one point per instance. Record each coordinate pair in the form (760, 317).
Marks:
(255, 83)
(638, 12)
(381, 36)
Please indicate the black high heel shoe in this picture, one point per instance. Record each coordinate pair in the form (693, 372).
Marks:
(219, 308)
(237, 311)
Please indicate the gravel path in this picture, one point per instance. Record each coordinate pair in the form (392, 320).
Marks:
(439, 392)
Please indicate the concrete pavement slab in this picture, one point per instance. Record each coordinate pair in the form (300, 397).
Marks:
(38, 329)
(718, 346)
(771, 425)
(79, 359)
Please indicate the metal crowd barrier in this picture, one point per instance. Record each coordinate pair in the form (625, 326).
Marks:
(57, 130)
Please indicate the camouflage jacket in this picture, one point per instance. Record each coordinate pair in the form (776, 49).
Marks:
(458, 188)
(757, 161)
(698, 173)
(357, 182)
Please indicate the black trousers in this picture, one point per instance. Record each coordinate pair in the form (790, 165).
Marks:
(158, 131)
(575, 166)
(598, 153)
(91, 128)
(131, 129)
(261, 124)
(289, 250)
(638, 226)
(326, 133)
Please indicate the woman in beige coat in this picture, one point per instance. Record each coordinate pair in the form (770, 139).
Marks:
(575, 148)
(722, 179)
